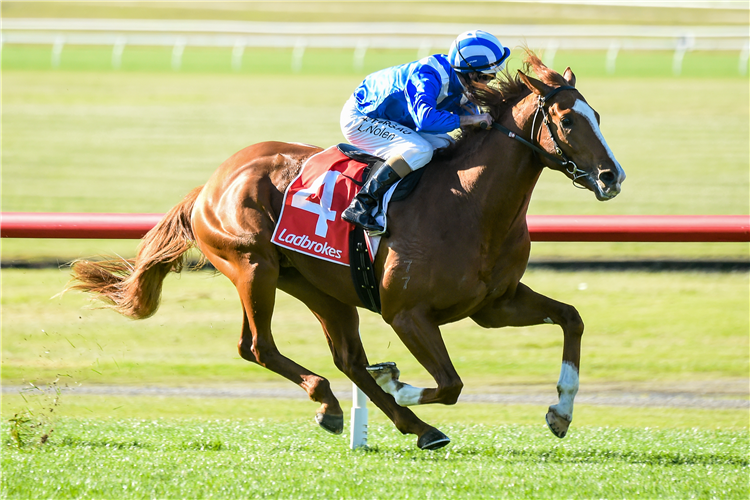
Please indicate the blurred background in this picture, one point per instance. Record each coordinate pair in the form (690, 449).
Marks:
(126, 106)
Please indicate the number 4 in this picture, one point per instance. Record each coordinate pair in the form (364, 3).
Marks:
(322, 210)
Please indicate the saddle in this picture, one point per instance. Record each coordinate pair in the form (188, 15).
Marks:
(405, 186)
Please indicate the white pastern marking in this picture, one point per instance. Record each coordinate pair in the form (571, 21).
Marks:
(567, 388)
(408, 395)
(404, 394)
(583, 109)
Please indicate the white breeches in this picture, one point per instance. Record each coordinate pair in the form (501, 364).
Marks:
(385, 138)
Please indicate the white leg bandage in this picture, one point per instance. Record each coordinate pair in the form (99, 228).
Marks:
(404, 394)
(386, 376)
(567, 388)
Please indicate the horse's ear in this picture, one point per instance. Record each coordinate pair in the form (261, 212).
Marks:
(569, 76)
(536, 86)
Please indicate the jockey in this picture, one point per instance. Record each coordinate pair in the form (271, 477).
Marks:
(402, 114)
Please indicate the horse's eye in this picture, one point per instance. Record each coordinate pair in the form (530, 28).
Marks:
(566, 122)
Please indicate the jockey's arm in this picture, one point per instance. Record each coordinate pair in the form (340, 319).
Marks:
(422, 92)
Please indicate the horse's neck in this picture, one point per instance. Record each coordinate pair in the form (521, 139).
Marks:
(508, 170)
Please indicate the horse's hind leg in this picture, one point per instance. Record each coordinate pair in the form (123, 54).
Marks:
(527, 308)
(257, 290)
(340, 323)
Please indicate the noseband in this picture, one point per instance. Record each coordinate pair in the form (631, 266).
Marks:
(561, 160)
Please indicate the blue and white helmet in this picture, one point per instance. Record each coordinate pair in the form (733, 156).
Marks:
(477, 51)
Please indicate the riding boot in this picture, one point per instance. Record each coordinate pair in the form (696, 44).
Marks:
(368, 198)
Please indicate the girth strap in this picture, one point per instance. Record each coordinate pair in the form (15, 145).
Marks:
(362, 271)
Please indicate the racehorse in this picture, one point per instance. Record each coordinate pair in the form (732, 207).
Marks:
(458, 247)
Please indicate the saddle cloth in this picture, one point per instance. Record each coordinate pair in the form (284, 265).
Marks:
(310, 220)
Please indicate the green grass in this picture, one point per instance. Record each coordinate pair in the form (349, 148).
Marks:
(190, 458)
(640, 328)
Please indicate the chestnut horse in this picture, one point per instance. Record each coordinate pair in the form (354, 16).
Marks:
(458, 247)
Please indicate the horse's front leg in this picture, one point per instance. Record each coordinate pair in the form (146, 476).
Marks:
(340, 323)
(527, 308)
(425, 342)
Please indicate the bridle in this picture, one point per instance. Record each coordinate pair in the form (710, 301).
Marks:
(561, 160)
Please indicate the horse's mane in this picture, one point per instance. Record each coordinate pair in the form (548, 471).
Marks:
(502, 94)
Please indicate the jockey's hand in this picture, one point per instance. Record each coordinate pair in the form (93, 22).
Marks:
(483, 120)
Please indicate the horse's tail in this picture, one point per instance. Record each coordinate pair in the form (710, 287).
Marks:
(132, 287)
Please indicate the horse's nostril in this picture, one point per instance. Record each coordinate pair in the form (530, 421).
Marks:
(607, 177)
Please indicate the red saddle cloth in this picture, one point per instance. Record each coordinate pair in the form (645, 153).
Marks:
(310, 220)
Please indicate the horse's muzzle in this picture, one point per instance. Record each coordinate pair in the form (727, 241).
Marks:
(609, 183)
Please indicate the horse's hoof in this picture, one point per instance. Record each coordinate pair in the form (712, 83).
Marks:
(381, 369)
(432, 440)
(557, 423)
(332, 423)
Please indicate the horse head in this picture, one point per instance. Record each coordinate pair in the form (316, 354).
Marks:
(569, 132)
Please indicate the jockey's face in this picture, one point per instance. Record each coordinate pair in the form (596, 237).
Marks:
(483, 77)
(475, 76)
(467, 79)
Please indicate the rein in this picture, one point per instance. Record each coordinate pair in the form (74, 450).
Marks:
(561, 160)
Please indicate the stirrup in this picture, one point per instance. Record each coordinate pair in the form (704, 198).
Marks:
(372, 228)
(379, 232)
(359, 214)
(365, 221)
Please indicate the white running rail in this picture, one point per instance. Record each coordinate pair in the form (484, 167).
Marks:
(422, 37)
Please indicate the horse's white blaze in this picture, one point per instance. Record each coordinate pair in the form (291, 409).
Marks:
(404, 394)
(583, 109)
(567, 386)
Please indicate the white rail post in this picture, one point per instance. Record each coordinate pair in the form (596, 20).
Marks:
(744, 55)
(550, 52)
(179, 48)
(614, 49)
(684, 43)
(359, 55)
(57, 49)
(359, 419)
(117, 51)
(237, 52)
(297, 54)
